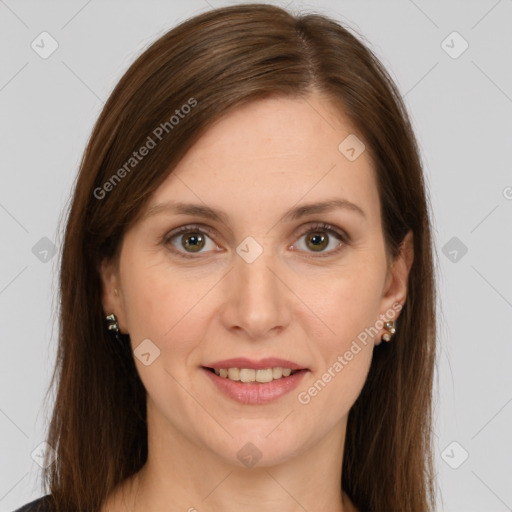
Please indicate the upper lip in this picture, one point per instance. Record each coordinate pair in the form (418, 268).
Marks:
(267, 362)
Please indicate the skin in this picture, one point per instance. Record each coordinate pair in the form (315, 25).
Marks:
(291, 302)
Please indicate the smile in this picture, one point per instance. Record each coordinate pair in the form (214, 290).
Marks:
(254, 387)
(253, 375)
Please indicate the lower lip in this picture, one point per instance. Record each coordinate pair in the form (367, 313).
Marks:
(256, 393)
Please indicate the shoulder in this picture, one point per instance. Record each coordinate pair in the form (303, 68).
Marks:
(40, 505)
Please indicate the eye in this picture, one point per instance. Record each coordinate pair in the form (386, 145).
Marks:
(193, 239)
(318, 237)
(189, 240)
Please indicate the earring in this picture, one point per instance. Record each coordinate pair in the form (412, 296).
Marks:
(390, 326)
(112, 324)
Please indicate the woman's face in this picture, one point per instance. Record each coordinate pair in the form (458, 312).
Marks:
(260, 280)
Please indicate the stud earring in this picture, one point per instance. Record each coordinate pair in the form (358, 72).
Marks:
(390, 327)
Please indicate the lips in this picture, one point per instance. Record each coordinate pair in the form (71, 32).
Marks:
(255, 393)
(255, 382)
(243, 362)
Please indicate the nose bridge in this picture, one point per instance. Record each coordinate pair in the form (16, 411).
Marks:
(257, 301)
(257, 276)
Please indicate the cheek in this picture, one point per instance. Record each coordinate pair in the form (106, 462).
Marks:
(170, 309)
(348, 307)
(346, 301)
(344, 351)
(326, 400)
(164, 308)
(147, 304)
(155, 298)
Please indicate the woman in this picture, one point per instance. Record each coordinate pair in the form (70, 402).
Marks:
(247, 294)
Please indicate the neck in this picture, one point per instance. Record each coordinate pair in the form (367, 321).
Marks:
(179, 475)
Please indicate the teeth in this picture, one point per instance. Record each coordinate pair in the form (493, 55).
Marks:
(247, 375)
(252, 375)
(234, 373)
(264, 375)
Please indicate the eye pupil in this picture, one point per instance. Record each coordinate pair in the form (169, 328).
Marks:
(319, 241)
(192, 240)
(197, 241)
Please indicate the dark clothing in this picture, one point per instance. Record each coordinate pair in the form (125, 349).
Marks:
(39, 505)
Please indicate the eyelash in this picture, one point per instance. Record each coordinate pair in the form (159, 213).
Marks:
(197, 228)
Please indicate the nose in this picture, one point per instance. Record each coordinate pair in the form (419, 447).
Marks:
(256, 299)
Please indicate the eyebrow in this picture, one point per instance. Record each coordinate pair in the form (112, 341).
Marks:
(207, 212)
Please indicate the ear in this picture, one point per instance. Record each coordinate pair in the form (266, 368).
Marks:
(395, 288)
(111, 296)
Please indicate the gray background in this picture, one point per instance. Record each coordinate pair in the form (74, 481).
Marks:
(461, 107)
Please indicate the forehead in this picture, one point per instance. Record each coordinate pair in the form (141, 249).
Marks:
(269, 155)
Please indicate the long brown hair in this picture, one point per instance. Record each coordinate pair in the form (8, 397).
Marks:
(213, 63)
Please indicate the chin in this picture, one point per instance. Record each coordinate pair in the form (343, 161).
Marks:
(254, 449)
